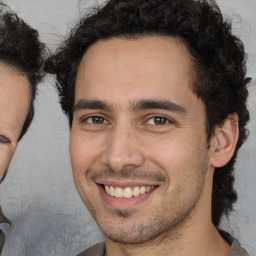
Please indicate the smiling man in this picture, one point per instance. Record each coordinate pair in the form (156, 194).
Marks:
(156, 97)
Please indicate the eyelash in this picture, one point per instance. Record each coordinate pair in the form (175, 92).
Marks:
(94, 116)
(3, 139)
(162, 118)
(165, 119)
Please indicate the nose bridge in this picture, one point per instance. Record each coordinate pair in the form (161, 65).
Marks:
(122, 149)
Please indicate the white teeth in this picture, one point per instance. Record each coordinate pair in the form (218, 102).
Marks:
(119, 192)
(107, 189)
(148, 188)
(136, 191)
(112, 191)
(127, 192)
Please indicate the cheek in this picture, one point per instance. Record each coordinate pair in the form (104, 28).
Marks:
(176, 155)
(168, 150)
(84, 151)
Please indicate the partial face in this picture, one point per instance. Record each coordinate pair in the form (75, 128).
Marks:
(14, 104)
(138, 141)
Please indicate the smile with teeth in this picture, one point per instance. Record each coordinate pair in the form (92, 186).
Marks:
(127, 192)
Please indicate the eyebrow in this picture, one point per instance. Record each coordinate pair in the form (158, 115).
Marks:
(158, 104)
(90, 104)
(135, 106)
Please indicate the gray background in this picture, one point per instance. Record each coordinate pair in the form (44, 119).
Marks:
(38, 195)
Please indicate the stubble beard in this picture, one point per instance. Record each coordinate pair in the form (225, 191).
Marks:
(158, 229)
(162, 225)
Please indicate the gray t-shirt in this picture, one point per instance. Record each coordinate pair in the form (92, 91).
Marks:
(236, 249)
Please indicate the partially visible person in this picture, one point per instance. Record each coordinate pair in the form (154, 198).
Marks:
(21, 60)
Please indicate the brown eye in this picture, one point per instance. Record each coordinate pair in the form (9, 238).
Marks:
(160, 120)
(96, 120)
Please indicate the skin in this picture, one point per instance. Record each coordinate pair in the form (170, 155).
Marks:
(119, 140)
(14, 105)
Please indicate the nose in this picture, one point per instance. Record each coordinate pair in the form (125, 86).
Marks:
(123, 149)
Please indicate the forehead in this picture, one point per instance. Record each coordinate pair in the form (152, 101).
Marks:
(14, 100)
(134, 68)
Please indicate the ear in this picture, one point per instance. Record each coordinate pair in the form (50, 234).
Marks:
(223, 143)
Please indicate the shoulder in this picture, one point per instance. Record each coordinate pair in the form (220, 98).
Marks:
(235, 249)
(95, 250)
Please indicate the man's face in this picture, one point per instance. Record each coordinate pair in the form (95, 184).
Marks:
(138, 141)
(14, 104)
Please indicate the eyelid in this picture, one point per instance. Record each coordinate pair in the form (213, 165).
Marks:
(84, 118)
(161, 116)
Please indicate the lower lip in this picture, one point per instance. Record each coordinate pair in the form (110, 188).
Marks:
(123, 203)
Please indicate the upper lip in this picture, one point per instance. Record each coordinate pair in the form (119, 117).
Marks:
(125, 183)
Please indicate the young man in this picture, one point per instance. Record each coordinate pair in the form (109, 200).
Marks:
(155, 92)
(21, 62)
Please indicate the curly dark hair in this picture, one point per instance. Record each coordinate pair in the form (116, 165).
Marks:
(218, 57)
(21, 48)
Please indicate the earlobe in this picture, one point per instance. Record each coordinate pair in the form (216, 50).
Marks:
(224, 141)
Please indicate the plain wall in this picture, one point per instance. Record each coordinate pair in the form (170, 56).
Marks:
(39, 196)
